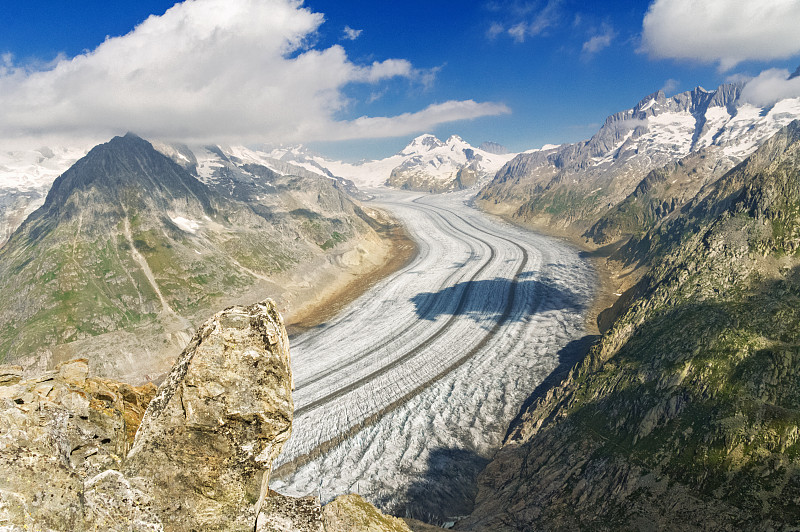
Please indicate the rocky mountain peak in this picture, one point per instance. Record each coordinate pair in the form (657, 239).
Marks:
(649, 101)
(493, 148)
(115, 172)
(230, 409)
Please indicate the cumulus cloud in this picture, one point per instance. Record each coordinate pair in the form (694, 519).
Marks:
(350, 34)
(771, 86)
(600, 41)
(726, 32)
(212, 70)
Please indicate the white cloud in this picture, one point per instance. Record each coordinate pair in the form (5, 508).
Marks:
(738, 78)
(670, 86)
(518, 31)
(600, 41)
(494, 30)
(408, 123)
(212, 71)
(771, 86)
(350, 34)
(522, 24)
(722, 31)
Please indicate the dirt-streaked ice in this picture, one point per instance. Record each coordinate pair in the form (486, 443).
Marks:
(406, 394)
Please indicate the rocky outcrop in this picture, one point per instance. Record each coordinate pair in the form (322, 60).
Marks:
(202, 452)
(346, 513)
(352, 513)
(58, 433)
(208, 439)
(290, 514)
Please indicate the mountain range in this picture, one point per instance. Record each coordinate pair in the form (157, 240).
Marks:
(684, 411)
(130, 250)
(685, 414)
(426, 164)
(568, 188)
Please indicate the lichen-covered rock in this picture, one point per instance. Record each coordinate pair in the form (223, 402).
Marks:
(111, 502)
(57, 430)
(280, 513)
(208, 438)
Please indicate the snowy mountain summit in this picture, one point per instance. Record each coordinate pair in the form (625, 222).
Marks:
(430, 165)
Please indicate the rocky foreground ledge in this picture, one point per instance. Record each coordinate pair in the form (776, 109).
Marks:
(202, 452)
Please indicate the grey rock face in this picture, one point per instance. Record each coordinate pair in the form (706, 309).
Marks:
(493, 147)
(58, 431)
(209, 437)
(569, 187)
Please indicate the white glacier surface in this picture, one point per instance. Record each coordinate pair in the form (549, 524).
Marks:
(407, 393)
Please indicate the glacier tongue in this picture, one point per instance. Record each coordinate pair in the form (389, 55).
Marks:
(406, 394)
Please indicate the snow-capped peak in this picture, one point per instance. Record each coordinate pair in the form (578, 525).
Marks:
(422, 144)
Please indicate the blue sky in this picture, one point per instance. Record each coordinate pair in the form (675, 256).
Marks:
(522, 73)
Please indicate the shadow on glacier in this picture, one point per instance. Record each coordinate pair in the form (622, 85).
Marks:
(568, 356)
(449, 485)
(488, 299)
(445, 492)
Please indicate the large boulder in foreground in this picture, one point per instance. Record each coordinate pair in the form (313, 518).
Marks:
(207, 440)
(58, 431)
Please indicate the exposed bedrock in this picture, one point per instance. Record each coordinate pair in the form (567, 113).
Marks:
(208, 438)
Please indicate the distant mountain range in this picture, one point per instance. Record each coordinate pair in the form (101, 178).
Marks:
(426, 164)
(569, 187)
(25, 178)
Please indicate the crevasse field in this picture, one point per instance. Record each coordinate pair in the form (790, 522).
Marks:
(405, 396)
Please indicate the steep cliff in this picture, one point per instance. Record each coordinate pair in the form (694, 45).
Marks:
(685, 415)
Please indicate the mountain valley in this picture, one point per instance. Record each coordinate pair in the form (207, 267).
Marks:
(465, 382)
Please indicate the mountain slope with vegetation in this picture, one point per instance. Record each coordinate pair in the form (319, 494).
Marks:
(129, 250)
(686, 414)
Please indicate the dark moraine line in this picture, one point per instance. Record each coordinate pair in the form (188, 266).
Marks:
(325, 446)
(375, 348)
(305, 338)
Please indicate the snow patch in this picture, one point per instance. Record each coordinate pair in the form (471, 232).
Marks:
(190, 226)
